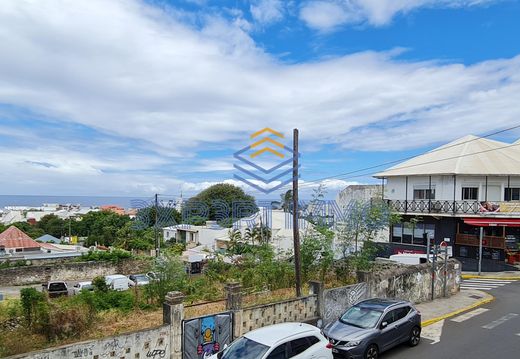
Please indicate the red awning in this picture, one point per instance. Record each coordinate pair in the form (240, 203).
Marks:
(493, 222)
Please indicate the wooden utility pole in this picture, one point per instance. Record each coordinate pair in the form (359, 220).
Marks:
(156, 229)
(296, 232)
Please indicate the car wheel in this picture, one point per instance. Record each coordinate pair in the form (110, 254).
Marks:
(372, 352)
(415, 337)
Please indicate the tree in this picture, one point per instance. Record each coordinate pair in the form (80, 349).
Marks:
(286, 201)
(219, 199)
(171, 276)
(316, 252)
(53, 225)
(363, 221)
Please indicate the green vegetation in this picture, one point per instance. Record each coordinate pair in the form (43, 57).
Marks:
(114, 255)
(227, 194)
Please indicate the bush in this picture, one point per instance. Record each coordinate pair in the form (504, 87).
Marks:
(98, 301)
(114, 255)
(33, 305)
(100, 284)
(67, 321)
(172, 276)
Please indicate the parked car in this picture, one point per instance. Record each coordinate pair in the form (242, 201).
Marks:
(117, 282)
(373, 326)
(152, 275)
(55, 289)
(138, 280)
(280, 341)
(78, 287)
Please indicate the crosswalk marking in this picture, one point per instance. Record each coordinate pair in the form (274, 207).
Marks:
(469, 315)
(483, 284)
(499, 321)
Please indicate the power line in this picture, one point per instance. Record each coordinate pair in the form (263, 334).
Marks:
(340, 175)
(429, 162)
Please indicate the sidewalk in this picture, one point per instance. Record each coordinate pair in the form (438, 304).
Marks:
(443, 308)
(511, 275)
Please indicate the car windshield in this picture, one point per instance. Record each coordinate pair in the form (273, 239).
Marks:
(244, 348)
(361, 317)
(57, 286)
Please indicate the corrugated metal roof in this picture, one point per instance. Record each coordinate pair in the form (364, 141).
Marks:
(469, 155)
(13, 237)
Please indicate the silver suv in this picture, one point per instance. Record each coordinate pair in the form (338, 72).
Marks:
(373, 326)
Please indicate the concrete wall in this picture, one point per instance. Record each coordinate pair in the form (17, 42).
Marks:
(152, 343)
(68, 271)
(296, 310)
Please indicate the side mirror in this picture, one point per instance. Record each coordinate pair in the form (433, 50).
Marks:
(384, 325)
(319, 323)
(225, 346)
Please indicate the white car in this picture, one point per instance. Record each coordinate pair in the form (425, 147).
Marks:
(78, 287)
(279, 341)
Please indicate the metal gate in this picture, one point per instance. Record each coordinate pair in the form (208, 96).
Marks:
(205, 336)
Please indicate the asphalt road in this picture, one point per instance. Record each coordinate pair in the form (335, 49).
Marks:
(491, 331)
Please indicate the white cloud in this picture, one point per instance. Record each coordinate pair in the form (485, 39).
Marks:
(133, 72)
(267, 12)
(326, 15)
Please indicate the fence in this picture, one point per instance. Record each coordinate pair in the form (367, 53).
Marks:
(196, 338)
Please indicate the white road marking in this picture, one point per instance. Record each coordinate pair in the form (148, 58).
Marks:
(489, 281)
(480, 288)
(499, 321)
(469, 315)
(433, 332)
(484, 284)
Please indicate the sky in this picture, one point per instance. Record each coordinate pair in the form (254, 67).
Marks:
(134, 97)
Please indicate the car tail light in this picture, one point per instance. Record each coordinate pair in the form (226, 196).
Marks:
(329, 346)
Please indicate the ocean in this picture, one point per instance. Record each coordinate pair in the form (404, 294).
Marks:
(86, 201)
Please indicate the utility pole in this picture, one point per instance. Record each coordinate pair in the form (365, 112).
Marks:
(480, 250)
(296, 232)
(156, 226)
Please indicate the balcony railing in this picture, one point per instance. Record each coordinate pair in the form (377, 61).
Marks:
(436, 206)
(474, 241)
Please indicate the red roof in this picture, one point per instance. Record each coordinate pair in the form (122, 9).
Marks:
(12, 237)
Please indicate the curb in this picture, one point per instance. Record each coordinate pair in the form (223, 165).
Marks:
(452, 314)
(473, 276)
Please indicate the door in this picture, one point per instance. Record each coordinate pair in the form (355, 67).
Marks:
(404, 323)
(389, 334)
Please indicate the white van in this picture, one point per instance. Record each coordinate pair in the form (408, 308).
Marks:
(409, 258)
(117, 282)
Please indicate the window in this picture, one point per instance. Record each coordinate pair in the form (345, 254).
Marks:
(390, 317)
(402, 312)
(397, 233)
(298, 346)
(470, 193)
(512, 194)
(421, 194)
(279, 352)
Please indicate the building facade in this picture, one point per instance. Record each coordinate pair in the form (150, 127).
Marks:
(451, 192)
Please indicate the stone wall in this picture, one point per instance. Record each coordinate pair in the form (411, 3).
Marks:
(412, 282)
(152, 343)
(337, 300)
(70, 271)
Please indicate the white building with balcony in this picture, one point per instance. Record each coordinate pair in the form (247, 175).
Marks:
(452, 191)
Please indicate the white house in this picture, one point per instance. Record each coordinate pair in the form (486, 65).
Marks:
(453, 190)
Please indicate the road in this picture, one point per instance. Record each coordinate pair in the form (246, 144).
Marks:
(491, 331)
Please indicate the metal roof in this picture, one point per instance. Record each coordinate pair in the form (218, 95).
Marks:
(13, 237)
(469, 155)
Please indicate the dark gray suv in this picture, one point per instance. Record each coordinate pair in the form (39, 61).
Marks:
(373, 326)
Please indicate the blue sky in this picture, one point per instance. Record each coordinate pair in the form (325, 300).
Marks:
(137, 97)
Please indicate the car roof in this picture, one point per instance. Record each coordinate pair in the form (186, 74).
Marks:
(380, 303)
(273, 334)
(115, 276)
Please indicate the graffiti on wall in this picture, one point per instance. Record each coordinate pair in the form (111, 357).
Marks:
(205, 336)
